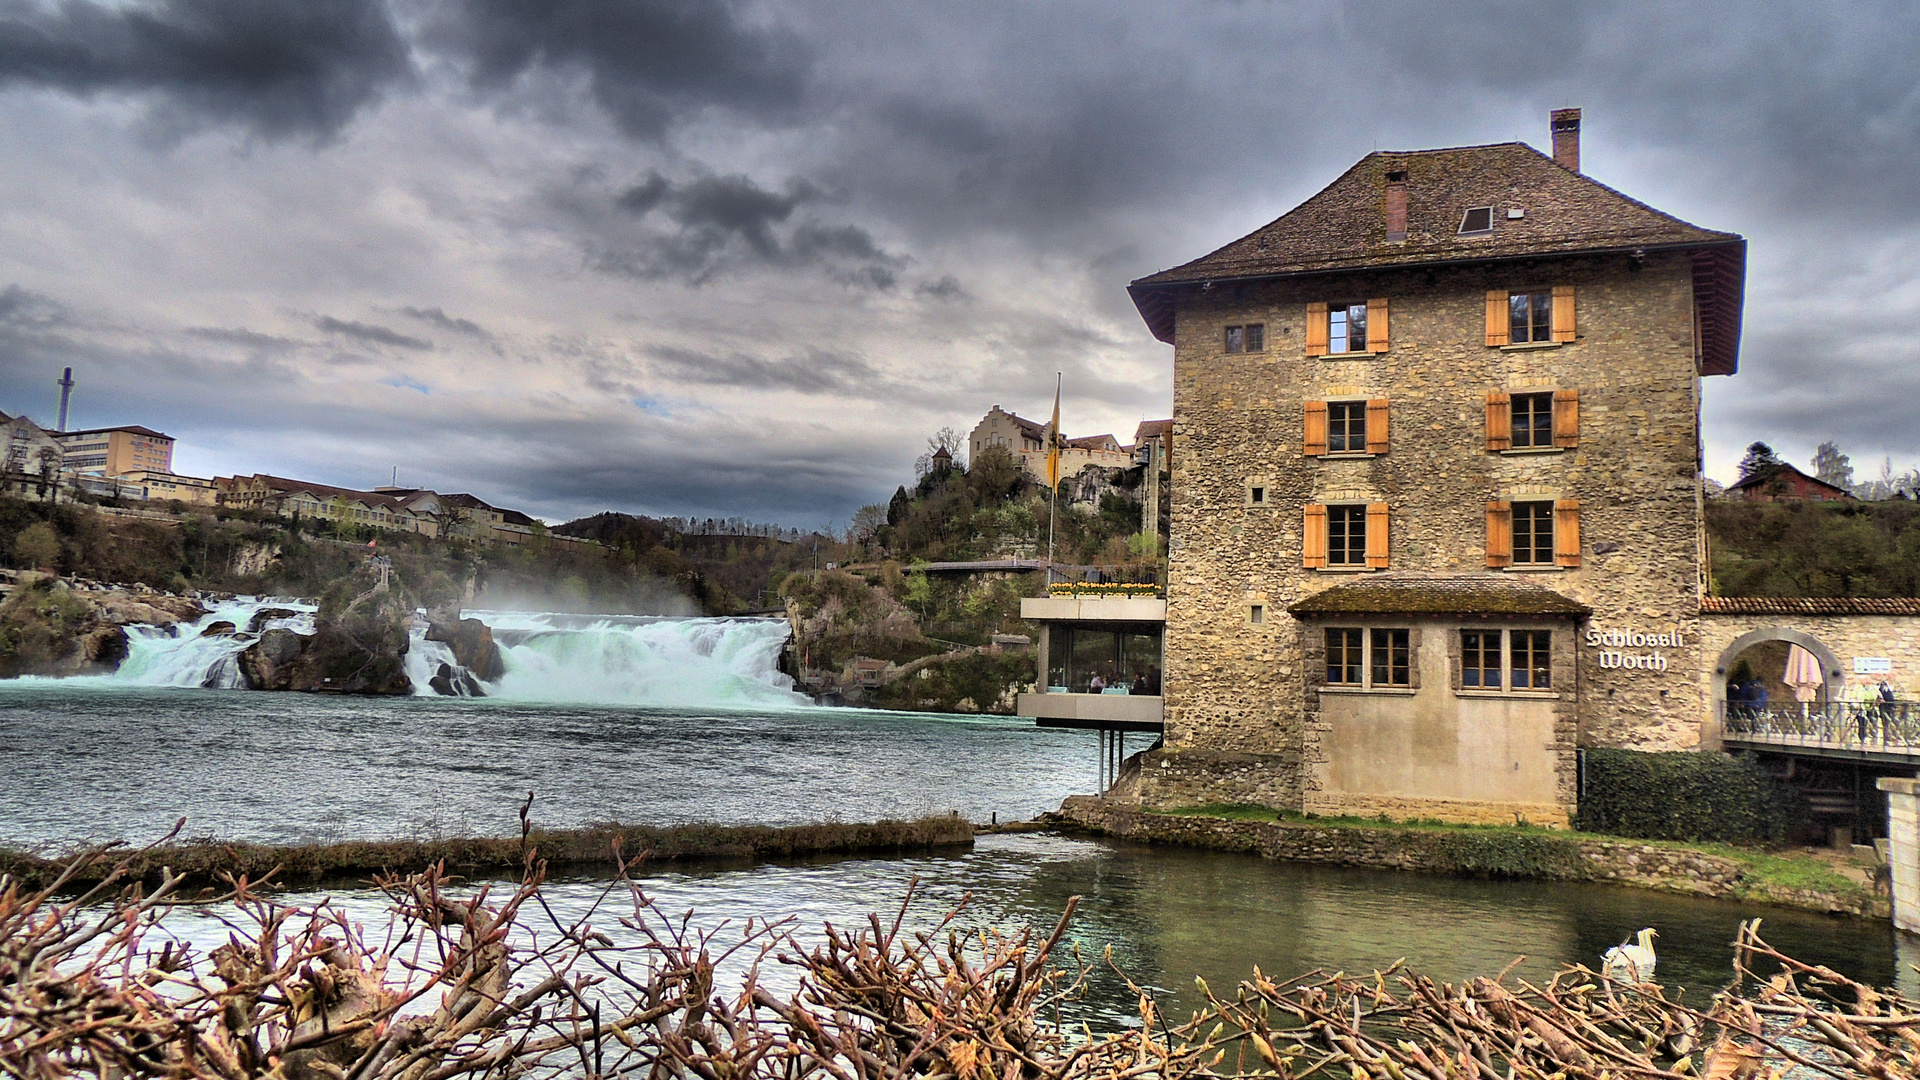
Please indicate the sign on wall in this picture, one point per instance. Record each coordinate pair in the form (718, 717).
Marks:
(1873, 665)
(1613, 646)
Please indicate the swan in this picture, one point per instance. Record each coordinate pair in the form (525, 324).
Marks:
(1632, 960)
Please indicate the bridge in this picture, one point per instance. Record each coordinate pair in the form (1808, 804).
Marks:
(1875, 732)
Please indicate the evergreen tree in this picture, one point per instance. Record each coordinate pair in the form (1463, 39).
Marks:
(1760, 459)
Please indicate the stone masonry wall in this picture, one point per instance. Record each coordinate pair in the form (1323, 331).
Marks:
(1236, 686)
(1444, 851)
(1896, 637)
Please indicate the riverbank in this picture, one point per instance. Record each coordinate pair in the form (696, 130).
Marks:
(1710, 870)
(590, 849)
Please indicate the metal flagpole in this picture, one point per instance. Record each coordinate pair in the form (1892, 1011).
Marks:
(1053, 473)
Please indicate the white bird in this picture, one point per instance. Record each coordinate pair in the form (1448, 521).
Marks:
(1632, 960)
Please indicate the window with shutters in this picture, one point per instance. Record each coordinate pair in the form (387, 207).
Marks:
(1346, 328)
(1346, 427)
(1346, 536)
(1547, 420)
(1526, 318)
(1375, 659)
(1250, 337)
(1533, 534)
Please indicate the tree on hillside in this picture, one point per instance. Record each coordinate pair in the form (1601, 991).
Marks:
(1832, 466)
(1760, 459)
(995, 475)
(37, 547)
(945, 439)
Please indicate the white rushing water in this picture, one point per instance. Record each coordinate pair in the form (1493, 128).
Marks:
(548, 657)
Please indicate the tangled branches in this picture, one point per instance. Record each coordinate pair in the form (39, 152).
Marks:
(463, 983)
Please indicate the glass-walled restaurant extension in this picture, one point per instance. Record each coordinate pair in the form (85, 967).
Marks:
(1104, 659)
(1100, 662)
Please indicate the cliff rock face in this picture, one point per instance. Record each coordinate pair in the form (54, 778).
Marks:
(268, 664)
(472, 644)
(47, 628)
(360, 645)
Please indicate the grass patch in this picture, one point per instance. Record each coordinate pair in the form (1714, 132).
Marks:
(1534, 848)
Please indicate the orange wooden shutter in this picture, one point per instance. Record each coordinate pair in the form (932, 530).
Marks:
(1499, 324)
(1377, 535)
(1566, 532)
(1316, 443)
(1563, 313)
(1499, 420)
(1377, 426)
(1314, 548)
(1566, 418)
(1317, 329)
(1499, 534)
(1377, 325)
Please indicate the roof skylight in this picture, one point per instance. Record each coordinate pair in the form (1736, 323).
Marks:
(1477, 220)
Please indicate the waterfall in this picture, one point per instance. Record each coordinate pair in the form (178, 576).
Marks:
(548, 657)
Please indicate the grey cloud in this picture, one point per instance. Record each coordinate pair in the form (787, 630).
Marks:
(441, 319)
(263, 343)
(711, 225)
(277, 67)
(648, 62)
(813, 371)
(378, 335)
(29, 310)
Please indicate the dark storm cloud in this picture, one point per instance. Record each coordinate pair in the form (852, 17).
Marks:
(441, 319)
(647, 62)
(378, 335)
(278, 67)
(707, 226)
(814, 371)
(20, 308)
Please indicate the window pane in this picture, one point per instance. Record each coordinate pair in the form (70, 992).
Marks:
(1346, 427)
(1390, 659)
(1531, 660)
(1533, 533)
(1095, 663)
(1480, 659)
(1141, 659)
(1337, 330)
(1543, 316)
(1343, 657)
(1356, 327)
(1346, 535)
(1256, 338)
(1236, 340)
(1518, 319)
(1059, 649)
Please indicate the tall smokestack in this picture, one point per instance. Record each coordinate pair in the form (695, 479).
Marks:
(1566, 138)
(66, 392)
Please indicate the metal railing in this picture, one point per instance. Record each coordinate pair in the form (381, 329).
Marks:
(1887, 727)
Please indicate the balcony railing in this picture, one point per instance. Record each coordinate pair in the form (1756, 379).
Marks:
(1865, 727)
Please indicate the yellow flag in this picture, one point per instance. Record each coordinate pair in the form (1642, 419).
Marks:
(1053, 439)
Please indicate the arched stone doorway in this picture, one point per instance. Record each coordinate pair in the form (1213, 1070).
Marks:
(1730, 656)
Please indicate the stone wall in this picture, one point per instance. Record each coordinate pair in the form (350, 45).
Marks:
(1454, 851)
(1834, 639)
(1236, 686)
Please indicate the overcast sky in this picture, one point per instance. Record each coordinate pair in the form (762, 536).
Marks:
(699, 257)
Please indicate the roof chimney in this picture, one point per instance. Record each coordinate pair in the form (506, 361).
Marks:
(1396, 205)
(1566, 138)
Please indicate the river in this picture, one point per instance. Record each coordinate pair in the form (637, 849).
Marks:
(122, 757)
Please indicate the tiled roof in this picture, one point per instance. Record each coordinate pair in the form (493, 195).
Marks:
(1762, 476)
(1438, 594)
(1151, 429)
(326, 492)
(1809, 605)
(1343, 227)
(1090, 442)
(134, 429)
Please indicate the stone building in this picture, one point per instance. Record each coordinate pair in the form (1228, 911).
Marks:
(1027, 442)
(1435, 445)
